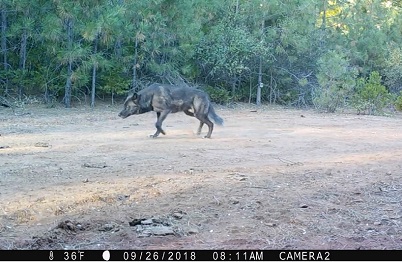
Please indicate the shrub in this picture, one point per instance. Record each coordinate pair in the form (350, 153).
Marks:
(336, 79)
(398, 102)
(329, 99)
(218, 95)
(371, 97)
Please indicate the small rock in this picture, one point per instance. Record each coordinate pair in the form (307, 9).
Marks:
(178, 215)
(106, 227)
(234, 201)
(95, 165)
(193, 231)
(67, 225)
(271, 224)
(377, 223)
(161, 231)
(156, 220)
(41, 144)
(147, 222)
(303, 206)
(123, 197)
(70, 226)
(392, 231)
(145, 233)
(135, 222)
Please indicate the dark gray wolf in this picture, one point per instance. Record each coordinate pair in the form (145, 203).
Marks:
(165, 99)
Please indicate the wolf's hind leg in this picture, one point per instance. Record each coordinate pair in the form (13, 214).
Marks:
(200, 128)
(205, 120)
(189, 113)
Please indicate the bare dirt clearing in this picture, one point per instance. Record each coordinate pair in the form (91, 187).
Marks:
(271, 179)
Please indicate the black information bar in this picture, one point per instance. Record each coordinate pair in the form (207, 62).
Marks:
(201, 255)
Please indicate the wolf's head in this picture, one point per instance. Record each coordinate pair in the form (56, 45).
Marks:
(131, 106)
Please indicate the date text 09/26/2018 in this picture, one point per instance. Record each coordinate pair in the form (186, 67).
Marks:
(227, 255)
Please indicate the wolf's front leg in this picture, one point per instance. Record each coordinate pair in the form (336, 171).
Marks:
(160, 117)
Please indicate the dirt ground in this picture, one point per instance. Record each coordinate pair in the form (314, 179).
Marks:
(270, 178)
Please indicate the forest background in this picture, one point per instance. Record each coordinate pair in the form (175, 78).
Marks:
(329, 55)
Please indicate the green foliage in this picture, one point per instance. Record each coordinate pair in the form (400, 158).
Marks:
(289, 97)
(114, 82)
(336, 80)
(226, 51)
(310, 52)
(393, 69)
(370, 97)
(218, 94)
(398, 102)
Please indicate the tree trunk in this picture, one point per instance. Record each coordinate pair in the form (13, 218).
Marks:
(46, 95)
(324, 15)
(250, 89)
(119, 45)
(134, 83)
(271, 89)
(234, 86)
(260, 84)
(67, 91)
(23, 59)
(68, 88)
(4, 44)
(118, 48)
(3, 37)
(94, 74)
(23, 51)
(93, 86)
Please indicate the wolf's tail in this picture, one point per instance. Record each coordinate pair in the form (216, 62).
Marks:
(217, 119)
